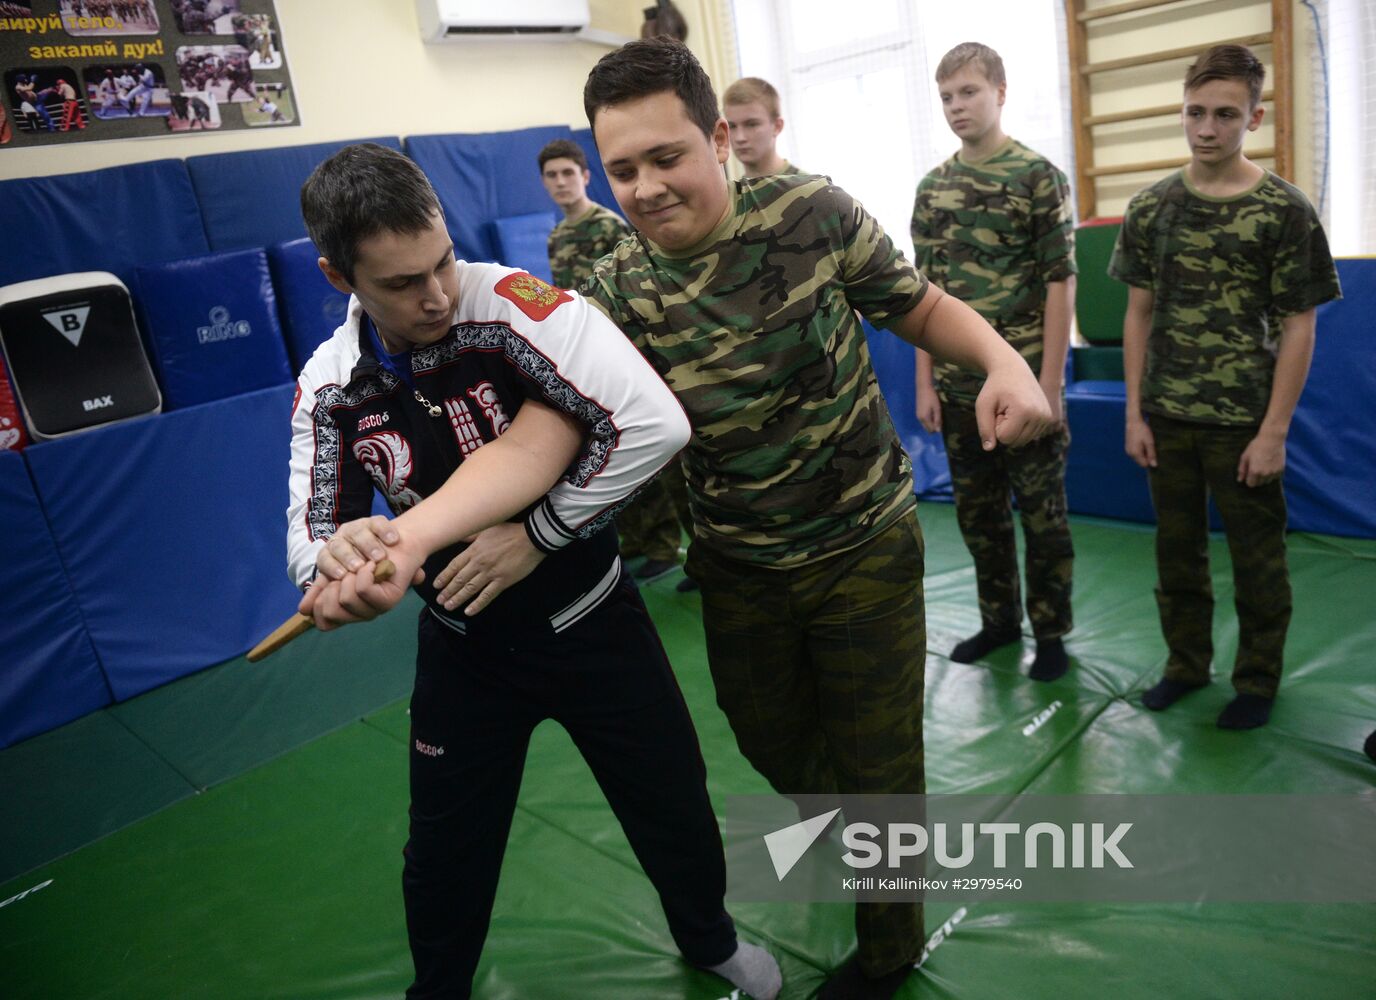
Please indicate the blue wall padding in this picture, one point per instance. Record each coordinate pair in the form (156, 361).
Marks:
(211, 323)
(1100, 479)
(895, 364)
(174, 527)
(1108, 388)
(311, 308)
(253, 198)
(1331, 453)
(483, 177)
(101, 220)
(599, 188)
(49, 673)
(523, 241)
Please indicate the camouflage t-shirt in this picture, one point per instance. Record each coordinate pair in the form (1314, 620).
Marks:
(787, 170)
(993, 234)
(576, 244)
(1223, 273)
(793, 455)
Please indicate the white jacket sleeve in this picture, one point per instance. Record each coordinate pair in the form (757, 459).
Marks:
(302, 544)
(636, 425)
(323, 491)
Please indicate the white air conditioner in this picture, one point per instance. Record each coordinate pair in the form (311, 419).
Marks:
(473, 20)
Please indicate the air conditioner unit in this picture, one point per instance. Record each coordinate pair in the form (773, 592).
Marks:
(474, 20)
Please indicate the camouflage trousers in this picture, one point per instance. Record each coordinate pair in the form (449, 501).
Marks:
(651, 525)
(1193, 461)
(819, 670)
(982, 482)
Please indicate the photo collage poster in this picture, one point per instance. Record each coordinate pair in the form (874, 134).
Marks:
(81, 70)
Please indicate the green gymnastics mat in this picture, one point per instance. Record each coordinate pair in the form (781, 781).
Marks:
(238, 833)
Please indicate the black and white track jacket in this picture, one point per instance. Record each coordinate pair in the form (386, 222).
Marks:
(356, 428)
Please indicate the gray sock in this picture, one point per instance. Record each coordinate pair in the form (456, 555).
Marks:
(752, 969)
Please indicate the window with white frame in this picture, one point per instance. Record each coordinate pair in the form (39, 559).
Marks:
(1346, 190)
(859, 101)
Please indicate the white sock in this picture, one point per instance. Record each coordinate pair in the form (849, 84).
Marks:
(752, 969)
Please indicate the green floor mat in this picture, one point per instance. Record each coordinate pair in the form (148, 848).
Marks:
(1128, 749)
(989, 731)
(284, 881)
(571, 923)
(1256, 952)
(944, 550)
(393, 719)
(1115, 640)
(69, 787)
(221, 722)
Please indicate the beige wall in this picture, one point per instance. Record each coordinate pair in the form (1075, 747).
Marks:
(359, 69)
(1176, 26)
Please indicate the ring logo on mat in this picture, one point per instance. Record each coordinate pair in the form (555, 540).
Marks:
(428, 750)
(222, 327)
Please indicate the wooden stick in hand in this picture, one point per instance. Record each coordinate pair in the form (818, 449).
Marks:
(299, 624)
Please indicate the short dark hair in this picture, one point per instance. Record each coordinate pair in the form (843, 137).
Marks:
(362, 190)
(1228, 62)
(988, 61)
(563, 149)
(652, 66)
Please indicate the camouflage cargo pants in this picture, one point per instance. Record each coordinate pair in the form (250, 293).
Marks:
(819, 670)
(1193, 461)
(649, 526)
(982, 482)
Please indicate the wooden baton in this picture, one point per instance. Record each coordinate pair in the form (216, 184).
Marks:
(299, 624)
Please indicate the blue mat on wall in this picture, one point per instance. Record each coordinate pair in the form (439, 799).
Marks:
(311, 308)
(212, 325)
(483, 177)
(895, 365)
(175, 528)
(523, 241)
(49, 673)
(253, 198)
(599, 188)
(100, 220)
(1100, 479)
(1331, 453)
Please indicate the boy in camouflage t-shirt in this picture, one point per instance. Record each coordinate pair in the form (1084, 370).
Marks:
(992, 226)
(1226, 264)
(587, 231)
(806, 544)
(649, 526)
(751, 109)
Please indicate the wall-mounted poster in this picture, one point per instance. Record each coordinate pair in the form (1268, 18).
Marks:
(82, 70)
